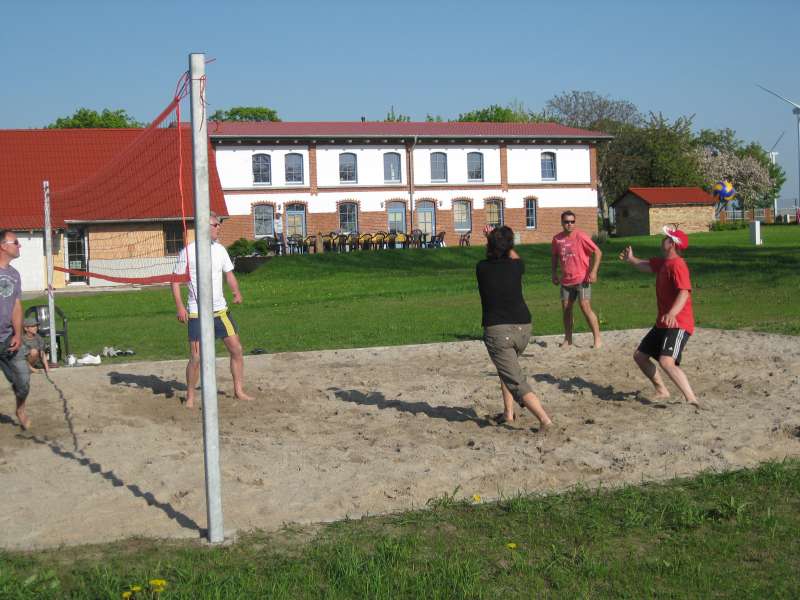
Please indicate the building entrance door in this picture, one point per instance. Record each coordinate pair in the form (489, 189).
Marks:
(76, 253)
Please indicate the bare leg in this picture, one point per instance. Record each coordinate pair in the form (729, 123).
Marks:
(566, 308)
(22, 416)
(192, 372)
(532, 403)
(234, 347)
(508, 403)
(591, 319)
(678, 378)
(650, 370)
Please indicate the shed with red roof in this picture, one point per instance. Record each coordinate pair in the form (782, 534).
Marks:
(645, 210)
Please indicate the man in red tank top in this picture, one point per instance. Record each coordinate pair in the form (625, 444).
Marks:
(675, 321)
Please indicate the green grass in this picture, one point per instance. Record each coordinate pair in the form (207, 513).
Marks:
(416, 296)
(731, 535)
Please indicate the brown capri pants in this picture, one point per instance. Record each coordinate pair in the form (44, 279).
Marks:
(505, 343)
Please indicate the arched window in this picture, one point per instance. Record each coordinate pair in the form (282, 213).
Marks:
(397, 217)
(530, 213)
(475, 166)
(348, 168)
(391, 167)
(426, 217)
(294, 168)
(494, 212)
(438, 166)
(548, 166)
(348, 217)
(263, 220)
(462, 215)
(296, 220)
(262, 168)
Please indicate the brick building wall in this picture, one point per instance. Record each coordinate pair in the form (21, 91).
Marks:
(548, 223)
(691, 219)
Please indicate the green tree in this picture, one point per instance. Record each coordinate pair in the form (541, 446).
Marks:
(393, 117)
(429, 118)
(587, 109)
(86, 118)
(514, 112)
(245, 113)
(657, 154)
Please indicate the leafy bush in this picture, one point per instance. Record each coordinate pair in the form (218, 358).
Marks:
(241, 247)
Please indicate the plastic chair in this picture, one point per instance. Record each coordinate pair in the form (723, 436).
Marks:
(438, 240)
(42, 314)
(365, 241)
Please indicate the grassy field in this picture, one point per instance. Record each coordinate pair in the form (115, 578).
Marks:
(731, 535)
(415, 296)
(718, 535)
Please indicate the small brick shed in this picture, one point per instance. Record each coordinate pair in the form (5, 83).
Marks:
(645, 210)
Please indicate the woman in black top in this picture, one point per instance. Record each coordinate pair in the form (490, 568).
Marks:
(507, 322)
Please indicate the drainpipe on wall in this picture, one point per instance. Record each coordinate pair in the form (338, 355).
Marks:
(410, 170)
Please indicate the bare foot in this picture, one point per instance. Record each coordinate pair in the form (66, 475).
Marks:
(24, 421)
(240, 395)
(565, 344)
(661, 393)
(189, 402)
(597, 344)
(545, 428)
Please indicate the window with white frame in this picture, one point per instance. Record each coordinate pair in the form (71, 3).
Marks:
(263, 220)
(262, 168)
(391, 167)
(348, 168)
(548, 166)
(348, 217)
(296, 220)
(475, 166)
(494, 212)
(530, 213)
(438, 166)
(462, 217)
(397, 217)
(426, 217)
(294, 168)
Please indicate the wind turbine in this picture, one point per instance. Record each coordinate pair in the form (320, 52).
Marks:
(773, 157)
(796, 112)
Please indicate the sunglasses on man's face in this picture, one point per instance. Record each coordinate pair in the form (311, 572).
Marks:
(569, 222)
(14, 242)
(215, 224)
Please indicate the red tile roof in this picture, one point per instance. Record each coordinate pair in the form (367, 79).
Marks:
(66, 157)
(306, 129)
(663, 196)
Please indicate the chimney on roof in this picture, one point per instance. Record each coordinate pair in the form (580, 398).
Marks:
(363, 119)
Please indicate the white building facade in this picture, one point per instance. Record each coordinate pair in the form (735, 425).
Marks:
(305, 179)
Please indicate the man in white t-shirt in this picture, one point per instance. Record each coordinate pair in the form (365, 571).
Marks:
(224, 326)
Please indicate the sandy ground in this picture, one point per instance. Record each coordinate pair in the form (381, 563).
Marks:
(113, 453)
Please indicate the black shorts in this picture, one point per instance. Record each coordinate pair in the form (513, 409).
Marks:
(664, 342)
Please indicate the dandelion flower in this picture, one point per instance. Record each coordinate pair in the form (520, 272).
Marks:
(511, 546)
(476, 498)
(158, 583)
(136, 588)
(126, 595)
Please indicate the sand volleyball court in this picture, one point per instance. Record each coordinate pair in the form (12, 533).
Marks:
(113, 453)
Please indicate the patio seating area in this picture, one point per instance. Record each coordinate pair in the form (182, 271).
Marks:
(359, 241)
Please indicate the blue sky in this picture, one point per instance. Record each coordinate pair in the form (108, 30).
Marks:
(341, 60)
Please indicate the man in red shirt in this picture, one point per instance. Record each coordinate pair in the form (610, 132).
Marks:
(675, 323)
(571, 250)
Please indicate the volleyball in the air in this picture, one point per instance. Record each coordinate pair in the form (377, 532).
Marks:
(723, 191)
